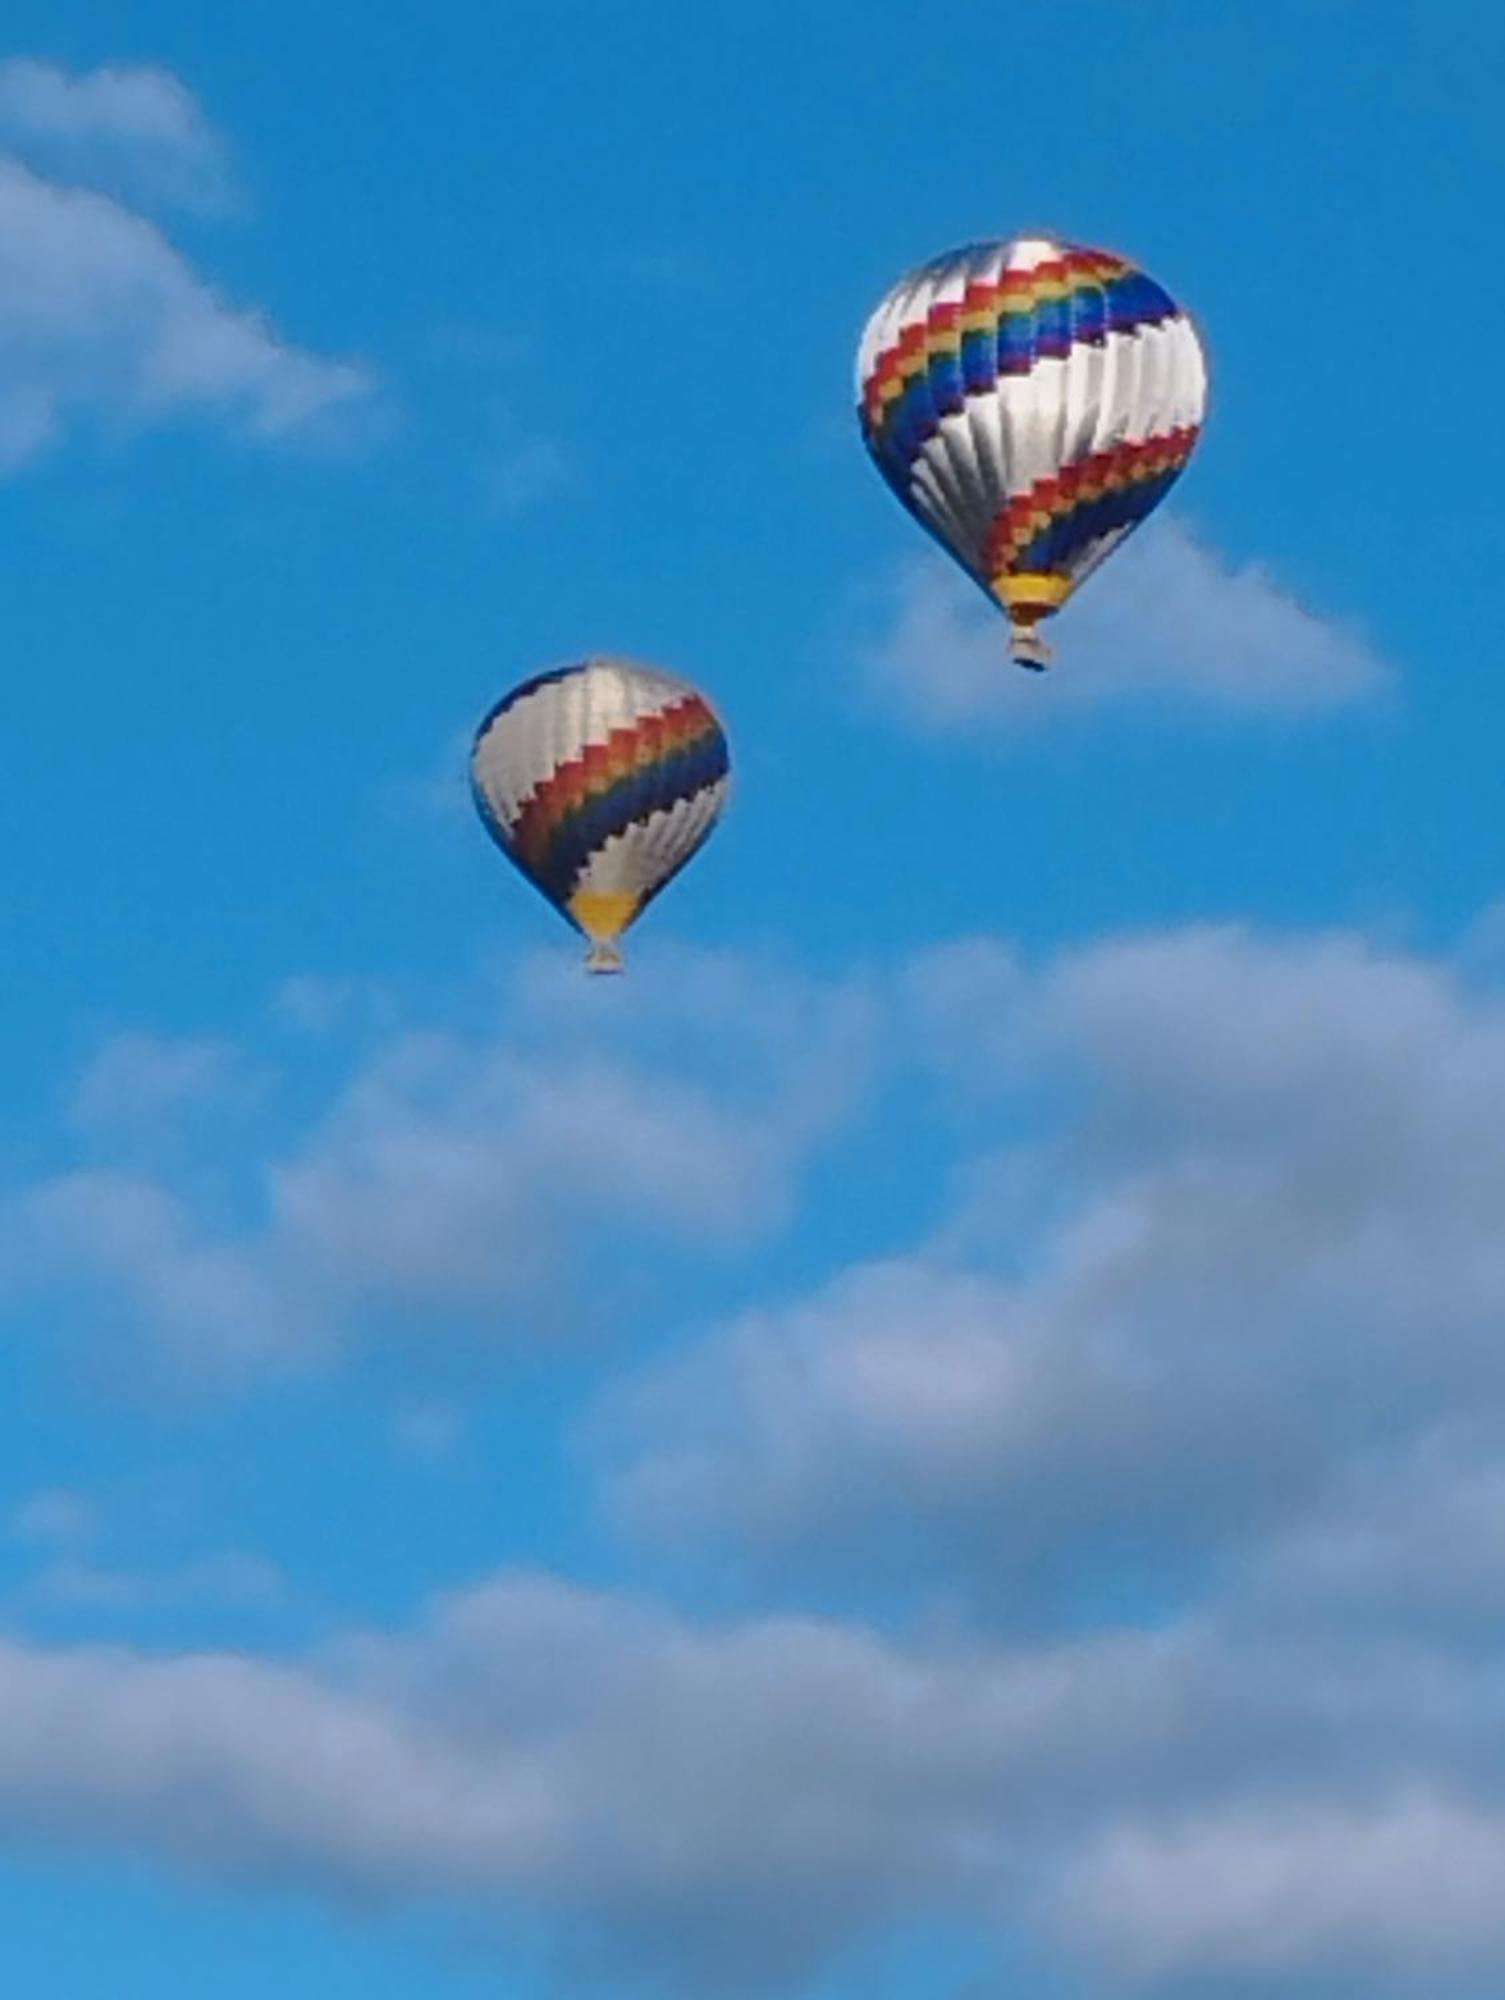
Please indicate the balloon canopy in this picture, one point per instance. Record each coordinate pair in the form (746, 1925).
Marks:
(600, 781)
(1030, 402)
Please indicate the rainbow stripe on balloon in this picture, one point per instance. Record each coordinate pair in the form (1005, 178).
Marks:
(1045, 529)
(647, 767)
(996, 329)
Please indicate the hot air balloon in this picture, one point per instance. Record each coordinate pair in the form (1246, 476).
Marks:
(600, 781)
(1030, 402)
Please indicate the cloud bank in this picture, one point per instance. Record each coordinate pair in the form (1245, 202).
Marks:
(1267, 1215)
(1151, 1493)
(447, 1167)
(728, 1804)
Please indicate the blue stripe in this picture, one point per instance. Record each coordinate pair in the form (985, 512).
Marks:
(948, 388)
(1013, 347)
(652, 788)
(1015, 343)
(1088, 315)
(1058, 546)
(1052, 328)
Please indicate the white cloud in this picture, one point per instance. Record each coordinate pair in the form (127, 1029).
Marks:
(456, 1167)
(135, 1252)
(229, 1580)
(1165, 618)
(600, 1761)
(56, 1518)
(452, 1169)
(1176, 1478)
(136, 1079)
(104, 324)
(1408, 1894)
(736, 1802)
(521, 473)
(1405, 1542)
(133, 130)
(1263, 1213)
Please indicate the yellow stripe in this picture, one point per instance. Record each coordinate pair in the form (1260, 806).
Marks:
(1035, 589)
(602, 915)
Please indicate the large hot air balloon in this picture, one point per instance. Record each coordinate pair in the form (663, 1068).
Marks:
(1030, 402)
(600, 781)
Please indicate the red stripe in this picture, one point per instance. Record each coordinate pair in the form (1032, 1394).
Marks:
(600, 765)
(1107, 471)
(981, 295)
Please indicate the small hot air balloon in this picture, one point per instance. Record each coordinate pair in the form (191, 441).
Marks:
(1030, 402)
(600, 781)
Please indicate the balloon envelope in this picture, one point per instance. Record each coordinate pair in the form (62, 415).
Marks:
(600, 781)
(1030, 402)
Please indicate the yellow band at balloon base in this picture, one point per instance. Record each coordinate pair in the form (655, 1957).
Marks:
(1031, 593)
(603, 915)
(1028, 596)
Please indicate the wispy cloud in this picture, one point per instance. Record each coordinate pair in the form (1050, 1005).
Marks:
(521, 468)
(105, 324)
(56, 1518)
(136, 131)
(134, 1079)
(1166, 618)
(229, 1580)
(520, 474)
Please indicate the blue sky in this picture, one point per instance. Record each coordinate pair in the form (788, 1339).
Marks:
(947, 1432)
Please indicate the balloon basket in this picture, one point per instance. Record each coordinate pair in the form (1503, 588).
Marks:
(1029, 649)
(604, 957)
